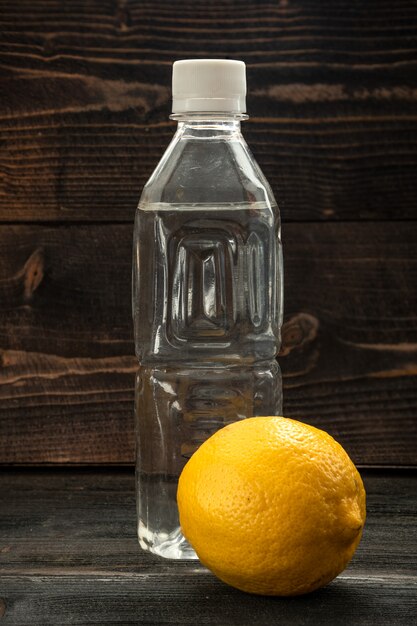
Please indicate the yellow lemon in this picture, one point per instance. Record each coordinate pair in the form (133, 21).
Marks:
(272, 506)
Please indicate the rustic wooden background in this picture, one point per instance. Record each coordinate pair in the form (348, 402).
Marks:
(85, 99)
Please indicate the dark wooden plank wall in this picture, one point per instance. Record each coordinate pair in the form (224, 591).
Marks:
(84, 108)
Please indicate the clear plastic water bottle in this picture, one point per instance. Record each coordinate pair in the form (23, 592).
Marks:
(207, 292)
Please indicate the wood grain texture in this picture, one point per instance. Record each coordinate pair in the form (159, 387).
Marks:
(349, 357)
(69, 555)
(332, 94)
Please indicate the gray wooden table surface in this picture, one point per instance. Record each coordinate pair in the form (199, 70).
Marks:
(69, 555)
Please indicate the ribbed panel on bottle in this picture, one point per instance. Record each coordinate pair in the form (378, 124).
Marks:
(209, 285)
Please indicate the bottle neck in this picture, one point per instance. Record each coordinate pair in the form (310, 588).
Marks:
(209, 125)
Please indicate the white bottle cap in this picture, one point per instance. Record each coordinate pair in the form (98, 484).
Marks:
(208, 85)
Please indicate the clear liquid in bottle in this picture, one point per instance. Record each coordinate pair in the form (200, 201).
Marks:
(212, 360)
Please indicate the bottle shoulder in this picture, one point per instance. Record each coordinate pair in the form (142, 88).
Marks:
(200, 170)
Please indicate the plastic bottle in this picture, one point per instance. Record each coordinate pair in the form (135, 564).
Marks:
(207, 292)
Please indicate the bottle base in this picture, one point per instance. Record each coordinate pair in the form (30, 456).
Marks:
(168, 546)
